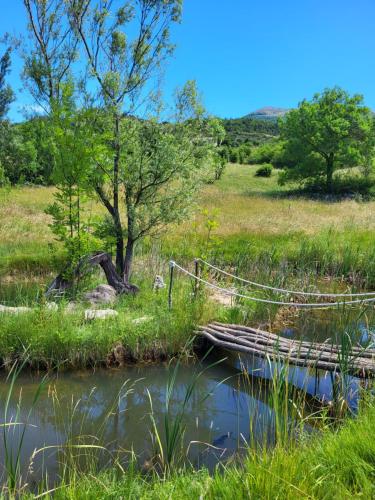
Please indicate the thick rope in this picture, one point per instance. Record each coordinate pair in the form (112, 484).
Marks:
(266, 301)
(283, 290)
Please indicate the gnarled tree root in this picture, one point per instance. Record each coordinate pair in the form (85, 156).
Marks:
(103, 259)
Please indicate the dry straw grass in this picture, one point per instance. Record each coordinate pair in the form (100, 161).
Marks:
(243, 204)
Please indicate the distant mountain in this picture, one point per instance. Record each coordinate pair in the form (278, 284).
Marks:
(267, 113)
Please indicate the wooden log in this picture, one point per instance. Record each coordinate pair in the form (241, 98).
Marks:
(246, 329)
(283, 342)
(103, 259)
(300, 353)
(289, 354)
(361, 372)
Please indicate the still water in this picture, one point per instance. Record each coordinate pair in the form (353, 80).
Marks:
(114, 406)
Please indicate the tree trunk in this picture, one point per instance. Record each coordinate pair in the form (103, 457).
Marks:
(60, 284)
(128, 260)
(119, 246)
(130, 209)
(116, 181)
(330, 168)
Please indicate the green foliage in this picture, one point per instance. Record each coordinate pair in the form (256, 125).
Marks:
(331, 132)
(37, 131)
(220, 163)
(6, 93)
(73, 153)
(273, 152)
(63, 338)
(27, 152)
(18, 156)
(264, 171)
(248, 130)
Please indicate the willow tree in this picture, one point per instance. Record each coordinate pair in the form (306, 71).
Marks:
(144, 172)
(163, 165)
(124, 45)
(49, 51)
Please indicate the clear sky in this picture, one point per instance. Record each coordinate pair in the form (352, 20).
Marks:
(246, 54)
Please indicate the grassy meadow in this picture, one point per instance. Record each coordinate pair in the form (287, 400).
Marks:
(253, 217)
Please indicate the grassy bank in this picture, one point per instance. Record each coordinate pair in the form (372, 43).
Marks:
(338, 464)
(144, 330)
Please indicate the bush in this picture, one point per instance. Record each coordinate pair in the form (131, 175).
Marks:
(264, 171)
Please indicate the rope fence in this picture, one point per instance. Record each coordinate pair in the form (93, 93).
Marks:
(283, 290)
(315, 305)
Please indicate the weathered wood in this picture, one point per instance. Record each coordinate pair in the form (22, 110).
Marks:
(358, 361)
(266, 338)
(103, 259)
(249, 330)
(291, 355)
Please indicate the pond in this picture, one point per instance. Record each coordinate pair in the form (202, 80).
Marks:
(224, 415)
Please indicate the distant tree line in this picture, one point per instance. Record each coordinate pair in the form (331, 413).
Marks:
(249, 130)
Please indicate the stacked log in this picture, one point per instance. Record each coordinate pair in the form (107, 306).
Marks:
(355, 360)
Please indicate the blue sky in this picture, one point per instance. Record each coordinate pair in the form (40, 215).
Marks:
(246, 54)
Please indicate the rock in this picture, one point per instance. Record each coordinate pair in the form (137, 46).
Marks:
(14, 310)
(102, 294)
(91, 314)
(71, 307)
(142, 319)
(158, 283)
(52, 306)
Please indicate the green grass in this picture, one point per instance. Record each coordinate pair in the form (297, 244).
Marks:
(252, 219)
(288, 242)
(336, 465)
(144, 327)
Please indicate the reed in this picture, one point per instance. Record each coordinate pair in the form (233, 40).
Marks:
(14, 431)
(170, 447)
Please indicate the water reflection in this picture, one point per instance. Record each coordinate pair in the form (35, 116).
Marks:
(114, 407)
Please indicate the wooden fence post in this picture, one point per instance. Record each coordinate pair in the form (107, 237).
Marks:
(171, 269)
(197, 276)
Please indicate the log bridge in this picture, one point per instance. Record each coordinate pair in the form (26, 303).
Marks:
(354, 359)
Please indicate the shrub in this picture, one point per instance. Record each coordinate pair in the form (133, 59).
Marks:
(264, 171)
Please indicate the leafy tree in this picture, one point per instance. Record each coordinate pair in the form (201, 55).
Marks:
(37, 130)
(220, 164)
(73, 153)
(17, 156)
(119, 67)
(6, 93)
(163, 166)
(49, 57)
(325, 134)
(144, 172)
